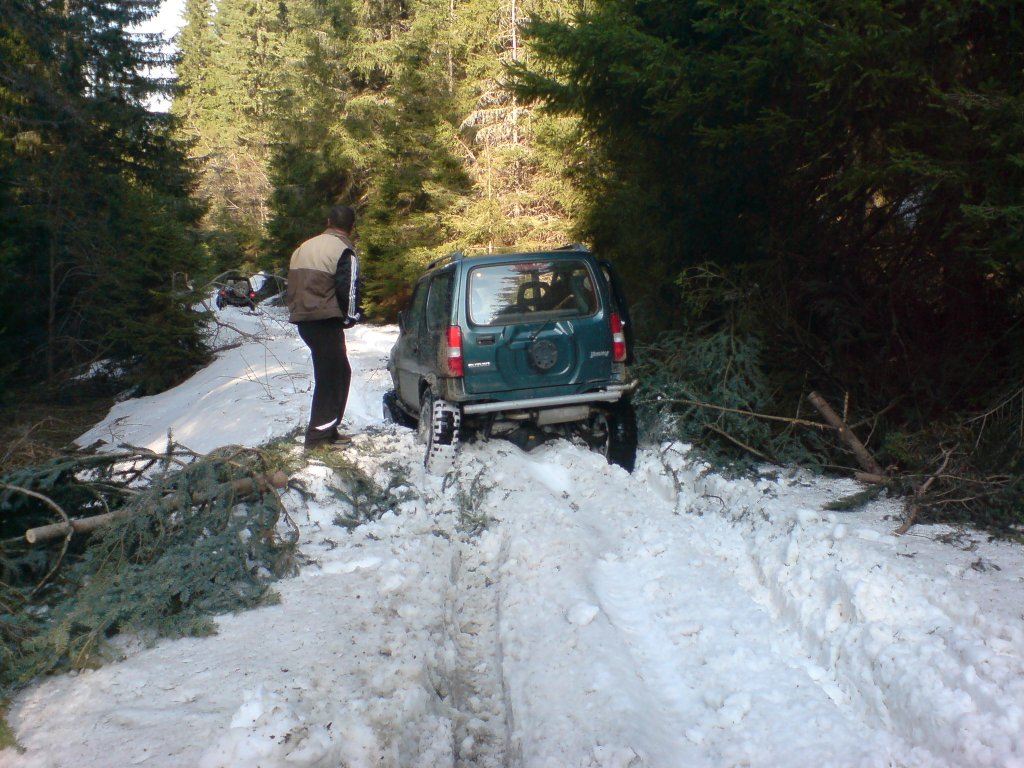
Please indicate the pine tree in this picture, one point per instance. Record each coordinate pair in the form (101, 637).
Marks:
(232, 69)
(516, 157)
(366, 124)
(94, 187)
(196, 43)
(853, 169)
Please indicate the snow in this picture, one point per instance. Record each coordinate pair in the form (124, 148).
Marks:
(547, 610)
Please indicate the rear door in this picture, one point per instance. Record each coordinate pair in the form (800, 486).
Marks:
(536, 328)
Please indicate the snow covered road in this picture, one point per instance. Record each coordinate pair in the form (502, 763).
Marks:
(547, 610)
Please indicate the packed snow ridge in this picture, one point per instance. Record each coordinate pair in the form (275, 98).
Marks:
(547, 610)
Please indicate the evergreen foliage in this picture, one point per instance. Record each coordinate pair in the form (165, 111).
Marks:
(185, 546)
(397, 108)
(688, 373)
(840, 141)
(516, 157)
(855, 501)
(95, 213)
(854, 168)
(361, 498)
(234, 58)
(713, 382)
(364, 125)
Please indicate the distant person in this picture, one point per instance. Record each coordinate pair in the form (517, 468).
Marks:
(323, 300)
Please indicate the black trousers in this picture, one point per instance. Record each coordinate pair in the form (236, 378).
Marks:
(332, 376)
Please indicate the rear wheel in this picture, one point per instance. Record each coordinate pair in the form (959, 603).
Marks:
(613, 433)
(393, 413)
(438, 429)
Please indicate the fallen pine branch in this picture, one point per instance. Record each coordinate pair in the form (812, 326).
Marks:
(855, 501)
(65, 525)
(245, 486)
(189, 544)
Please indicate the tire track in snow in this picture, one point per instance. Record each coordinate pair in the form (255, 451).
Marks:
(652, 615)
(714, 670)
(479, 718)
(481, 732)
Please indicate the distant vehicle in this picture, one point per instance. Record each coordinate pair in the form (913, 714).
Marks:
(236, 292)
(521, 345)
(270, 287)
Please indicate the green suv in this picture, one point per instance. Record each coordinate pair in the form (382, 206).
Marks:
(516, 345)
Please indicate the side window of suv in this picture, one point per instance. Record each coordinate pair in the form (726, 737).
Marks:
(439, 301)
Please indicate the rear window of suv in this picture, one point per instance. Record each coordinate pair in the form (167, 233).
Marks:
(530, 291)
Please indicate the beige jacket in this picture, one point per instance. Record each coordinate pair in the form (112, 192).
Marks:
(323, 279)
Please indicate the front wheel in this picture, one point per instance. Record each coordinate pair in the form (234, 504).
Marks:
(438, 429)
(613, 433)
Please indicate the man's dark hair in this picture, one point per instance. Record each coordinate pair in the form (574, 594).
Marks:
(343, 217)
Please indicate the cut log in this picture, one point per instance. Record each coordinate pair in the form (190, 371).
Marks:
(864, 458)
(245, 486)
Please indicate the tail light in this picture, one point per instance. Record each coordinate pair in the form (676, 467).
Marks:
(618, 339)
(252, 294)
(456, 366)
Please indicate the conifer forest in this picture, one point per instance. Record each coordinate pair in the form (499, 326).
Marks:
(809, 202)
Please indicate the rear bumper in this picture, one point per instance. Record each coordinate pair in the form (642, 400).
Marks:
(609, 395)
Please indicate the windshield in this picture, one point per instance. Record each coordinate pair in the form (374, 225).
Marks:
(528, 292)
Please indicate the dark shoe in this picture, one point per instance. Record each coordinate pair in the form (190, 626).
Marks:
(337, 441)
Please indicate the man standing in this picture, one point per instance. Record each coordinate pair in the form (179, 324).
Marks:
(323, 300)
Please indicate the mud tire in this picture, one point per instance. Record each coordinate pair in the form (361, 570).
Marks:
(613, 433)
(439, 430)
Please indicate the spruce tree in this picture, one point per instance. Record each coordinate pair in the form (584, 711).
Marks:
(94, 187)
(518, 158)
(232, 67)
(366, 123)
(850, 171)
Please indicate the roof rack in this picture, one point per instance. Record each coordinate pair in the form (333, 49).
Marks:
(453, 256)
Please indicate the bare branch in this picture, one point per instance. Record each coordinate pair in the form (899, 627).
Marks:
(741, 412)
